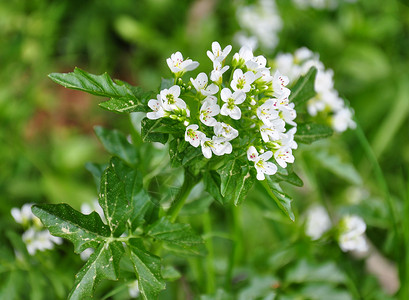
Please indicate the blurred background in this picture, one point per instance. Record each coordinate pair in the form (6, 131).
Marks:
(47, 136)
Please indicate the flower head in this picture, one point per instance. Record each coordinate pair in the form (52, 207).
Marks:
(232, 100)
(179, 66)
(351, 237)
(217, 54)
(261, 162)
(200, 84)
(193, 135)
(209, 109)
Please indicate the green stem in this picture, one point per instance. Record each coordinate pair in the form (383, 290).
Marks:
(210, 277)
(237, 247)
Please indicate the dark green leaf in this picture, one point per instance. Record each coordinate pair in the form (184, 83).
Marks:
(303, 89)
(116, 143)
(103, 264)
(212, 181)
(310, 132)
(84, 231)
(124, 105)
(244, 184)
(148, 131)
(287, 175)
(177, 237)
(148, 270)
(282, 200)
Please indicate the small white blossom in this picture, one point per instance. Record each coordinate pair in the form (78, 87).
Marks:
(39, 240)
(133, 289)
(244, 55)
(242, 82)
(272, 132)
(217, 54)
(288, 113)
(218, 146)
(268, 112)
(283, 156)
(231, 100)
(200, 84)
(24, 215)
(193, 135)
(225, 131)
(209, 109)
(179, 66)
(342, 119)
(352, 234)
(170, 99)
(156, 106)
(279, 85)
(261, 162)
(317, 223)
(217, 73)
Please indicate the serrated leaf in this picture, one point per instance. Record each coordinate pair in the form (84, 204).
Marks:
(282, 200)
(212, 181)
(84, 231)
(148, 131)
(148, 269)
(177, 237)
(124, 97)
(311, 132)
(116, 143)
(102, 264)
(303, 89)
(122, 193)
(96, 170)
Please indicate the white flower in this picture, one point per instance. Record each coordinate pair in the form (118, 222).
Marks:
(218, 146)
(242, 82)
(200, 84)
(231, 100)
(209, 109)
(156, 106)
(194, 136)
(260, 162)
(225, 131)
(39, 240)
(351, 238)
(279, 83)
(273, 131)
(179, 66)
(133, 289)
(170, 99)
(287, 139)
(342, 119)
(283, 156)
(244, 55)
(217, 53)
(217, 73)
(268, 112)
(317, 223)
(288, 113)
(23, 215)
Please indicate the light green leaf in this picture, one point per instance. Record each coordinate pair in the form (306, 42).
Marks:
(303, 89)
(96, 170)
(177, 237)
(84, 231)
(169, 273)
(148, 269)
(103, 264)
(282, 200)
(287, 175)
(311, 132)
(116, 143)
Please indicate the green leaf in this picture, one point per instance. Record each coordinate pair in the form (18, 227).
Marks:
(236, 181)
(287, 175)
(126, 98)
(84, 231)
(311, 132)
(121, 194)
(177, 237)
(116, 143)
(103, 264)
(212, 181)
(305, 271)
(169, 273)
(282, 200)
(148, 131)
(303, 89)
(96, 170)
(148, 269)
(166, 83)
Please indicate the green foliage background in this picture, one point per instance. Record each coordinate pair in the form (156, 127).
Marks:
(47, 137)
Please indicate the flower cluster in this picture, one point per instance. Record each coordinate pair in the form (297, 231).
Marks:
(249, 111)
(327, 101)
(35, 237)
(262, 21)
